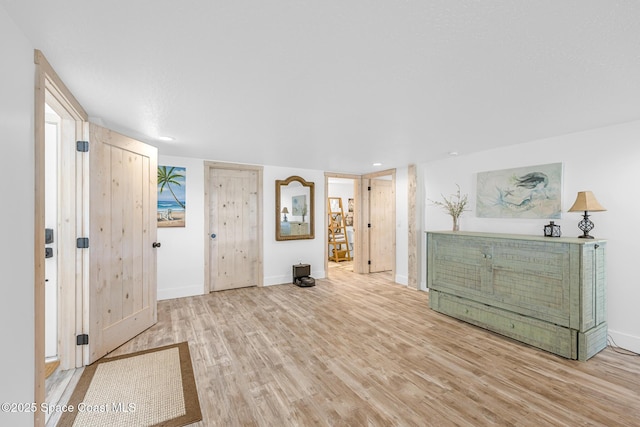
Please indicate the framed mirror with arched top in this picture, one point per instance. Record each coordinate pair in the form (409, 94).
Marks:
(294, 209)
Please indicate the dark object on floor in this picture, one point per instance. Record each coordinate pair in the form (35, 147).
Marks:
(301, 276)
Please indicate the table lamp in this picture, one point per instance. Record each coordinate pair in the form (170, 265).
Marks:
(586, 202)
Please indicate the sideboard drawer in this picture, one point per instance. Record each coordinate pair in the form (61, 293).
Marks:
(541, 334)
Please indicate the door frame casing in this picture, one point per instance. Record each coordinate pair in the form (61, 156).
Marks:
(208, 165)
(413, 228)
(72, 222)
(47, 82)
(358, 265)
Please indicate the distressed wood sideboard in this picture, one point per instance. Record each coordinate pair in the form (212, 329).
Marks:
(544, 291)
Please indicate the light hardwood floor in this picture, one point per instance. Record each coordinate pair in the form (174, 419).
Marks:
(359, 350)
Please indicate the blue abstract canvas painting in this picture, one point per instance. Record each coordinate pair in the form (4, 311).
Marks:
(525, 192)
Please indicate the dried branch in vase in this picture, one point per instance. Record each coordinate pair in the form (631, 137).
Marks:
(455, 205)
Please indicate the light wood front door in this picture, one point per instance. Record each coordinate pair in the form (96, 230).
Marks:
(122, 298)
(382, 231)
(234, 212)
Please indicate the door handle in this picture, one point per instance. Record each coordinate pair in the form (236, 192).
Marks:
(156, 244)
(213, 235)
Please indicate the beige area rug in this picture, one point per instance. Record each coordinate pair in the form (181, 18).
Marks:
(148, 388)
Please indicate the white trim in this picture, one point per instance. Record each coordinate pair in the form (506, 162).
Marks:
(180, 292)
(625, 341)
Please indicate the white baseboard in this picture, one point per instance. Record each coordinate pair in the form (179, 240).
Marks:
(181, 292)
(402, 279)
(625, 341)
(286, 279)
(277, 280)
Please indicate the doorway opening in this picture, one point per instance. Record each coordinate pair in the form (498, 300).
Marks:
(369, 208)
(52, 137)
(341, 235)
(64, 220)
(59, 213)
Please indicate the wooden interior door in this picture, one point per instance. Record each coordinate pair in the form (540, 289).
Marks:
(234, 228)
(382, 230)
(122, 298)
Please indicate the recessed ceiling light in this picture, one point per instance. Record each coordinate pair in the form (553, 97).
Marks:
(377, 164)
(453, 153)
(166, 138)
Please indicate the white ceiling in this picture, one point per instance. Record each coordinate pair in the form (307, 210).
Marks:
(336, 85)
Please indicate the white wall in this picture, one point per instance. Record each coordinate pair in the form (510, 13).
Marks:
(605, 161)
(17, 216)
(279, 257)
(344, 190)
(181, 256)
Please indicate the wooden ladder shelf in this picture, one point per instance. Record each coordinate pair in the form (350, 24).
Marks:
(338, 239)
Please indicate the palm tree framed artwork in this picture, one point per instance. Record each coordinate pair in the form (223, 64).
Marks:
(172, 204)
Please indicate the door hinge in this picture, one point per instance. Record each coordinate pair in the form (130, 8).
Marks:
(82, 146)
(369, 188)
(82, 339)
(369, 262)
(48, 236)
(368, 225)
(82, 243)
